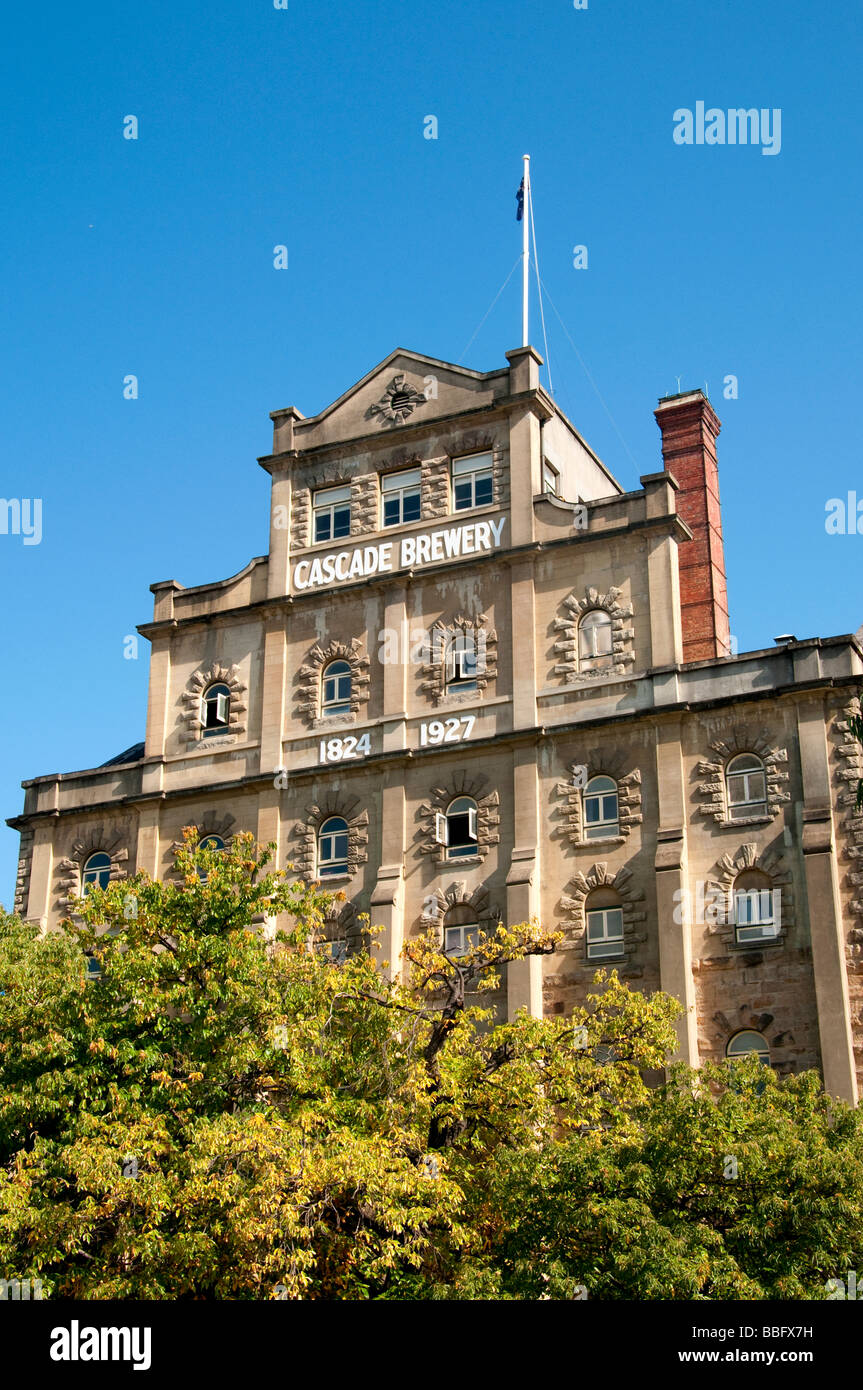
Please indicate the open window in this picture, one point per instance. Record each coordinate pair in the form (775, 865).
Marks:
(550, 479)
(215, 710)
(457, 828)
(461, 662)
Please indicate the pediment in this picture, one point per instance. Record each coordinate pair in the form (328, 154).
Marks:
(405, 389)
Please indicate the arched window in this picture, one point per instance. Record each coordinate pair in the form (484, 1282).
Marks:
(461, 661)
(756, 908)
(601, 816)
(747, 1043)
(215, 709)
(93, 967)
(211, 842)
(96, 873)
(458, 828)
(333, 847)
(745, 787)
(604, 925)
(460, 930)
(336, 688)
(594, 641)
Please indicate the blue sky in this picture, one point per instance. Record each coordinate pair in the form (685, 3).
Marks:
(304, 127)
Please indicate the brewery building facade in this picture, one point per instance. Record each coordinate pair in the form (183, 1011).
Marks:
(474, 680)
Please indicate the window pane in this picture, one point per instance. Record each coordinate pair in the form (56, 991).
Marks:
(392, 482)
(342, 521)
(471, 463)
(412, 508)
(328, 496)
(323, 526)
(483, 491)
(463, 495)
(391, 511)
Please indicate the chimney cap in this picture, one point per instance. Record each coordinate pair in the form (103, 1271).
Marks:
(784, 638)
(683, 395)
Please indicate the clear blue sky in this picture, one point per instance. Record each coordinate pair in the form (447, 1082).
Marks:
(260, 126)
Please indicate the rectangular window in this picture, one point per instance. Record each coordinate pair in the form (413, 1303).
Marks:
(550, 479)
(462, 662)
(747, 794)
(332, 512)
(600, 815)
(400, 497)
(604, 933)
(459, 940)
(472, 482)
(754, 916)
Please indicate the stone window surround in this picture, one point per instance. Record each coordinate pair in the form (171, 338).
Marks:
(600, 763)
(310, 676)
(711, 793)
(97, 840)
(772, 862)
(212, 822)
(487, 819)
(196, 687)
(622, 636)
(342, 922)
(439, 901)
(572, 905)
(306, 831)
(434, 681)
(759, 1022)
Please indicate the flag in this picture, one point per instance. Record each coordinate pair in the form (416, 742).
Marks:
(519, 198)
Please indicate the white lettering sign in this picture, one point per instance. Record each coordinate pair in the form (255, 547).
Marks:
(362, 563)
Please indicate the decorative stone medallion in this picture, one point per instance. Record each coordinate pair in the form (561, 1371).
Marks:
(398, 402)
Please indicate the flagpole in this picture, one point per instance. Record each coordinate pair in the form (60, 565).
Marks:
(524, 253)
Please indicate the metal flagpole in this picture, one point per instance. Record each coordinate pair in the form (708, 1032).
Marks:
(524, 253)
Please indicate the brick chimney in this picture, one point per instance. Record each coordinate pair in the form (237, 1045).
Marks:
(689, 428)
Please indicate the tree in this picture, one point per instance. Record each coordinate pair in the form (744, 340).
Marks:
(227, 1113)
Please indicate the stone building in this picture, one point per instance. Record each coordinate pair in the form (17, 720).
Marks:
(474, 679)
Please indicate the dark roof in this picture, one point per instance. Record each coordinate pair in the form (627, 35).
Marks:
(131, 755)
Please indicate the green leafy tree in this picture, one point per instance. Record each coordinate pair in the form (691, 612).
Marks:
(227, 1113)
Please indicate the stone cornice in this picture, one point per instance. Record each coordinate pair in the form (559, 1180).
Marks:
(400, 757)
(672, 524)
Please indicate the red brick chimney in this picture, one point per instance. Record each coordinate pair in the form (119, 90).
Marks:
(689, 428)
